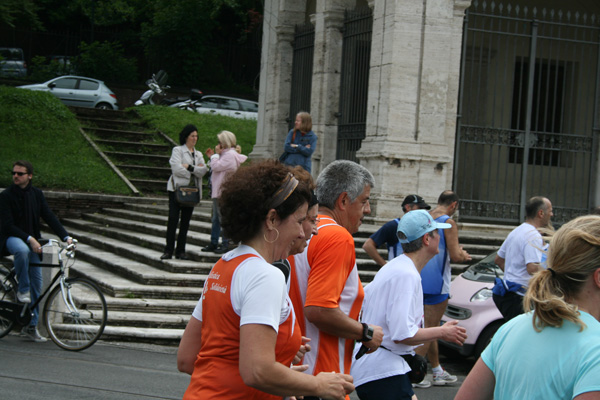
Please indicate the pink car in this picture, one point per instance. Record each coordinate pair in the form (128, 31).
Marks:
(471, 304)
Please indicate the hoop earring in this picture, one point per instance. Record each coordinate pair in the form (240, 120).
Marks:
(268, 241)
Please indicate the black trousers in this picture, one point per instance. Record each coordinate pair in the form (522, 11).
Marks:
(175, 210)
(510, 305)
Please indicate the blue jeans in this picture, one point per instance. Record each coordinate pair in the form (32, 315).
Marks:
(29, 276)
(215, 231)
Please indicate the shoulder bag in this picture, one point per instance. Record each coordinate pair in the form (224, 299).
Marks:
(187, 196)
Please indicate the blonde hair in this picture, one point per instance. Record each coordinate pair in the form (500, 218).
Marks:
(227, 139)
(573, 256)
(306, 124)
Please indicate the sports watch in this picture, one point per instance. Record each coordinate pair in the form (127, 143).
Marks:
(367, 333)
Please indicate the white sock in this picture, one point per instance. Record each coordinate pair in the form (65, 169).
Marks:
(438, 370)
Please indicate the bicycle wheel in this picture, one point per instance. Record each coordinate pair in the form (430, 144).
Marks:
(8, 292)
(75, 318)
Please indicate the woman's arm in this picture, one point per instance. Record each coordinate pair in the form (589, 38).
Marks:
(176, 161)
(288, 143)
(479, 384)
(189, 347)
(200, 169)
(259, 369)
(309, 149)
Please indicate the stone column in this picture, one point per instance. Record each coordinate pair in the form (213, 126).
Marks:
(325, 98)
(280, 19)
(413, 90)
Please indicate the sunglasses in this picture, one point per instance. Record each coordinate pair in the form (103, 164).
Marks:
(19, 173)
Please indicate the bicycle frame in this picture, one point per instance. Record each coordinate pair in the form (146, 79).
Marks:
(19, 311)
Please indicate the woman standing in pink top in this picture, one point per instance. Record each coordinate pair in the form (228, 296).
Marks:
(225, 159)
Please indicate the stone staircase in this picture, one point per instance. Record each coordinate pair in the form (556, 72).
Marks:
(150, 300)
(138, 152)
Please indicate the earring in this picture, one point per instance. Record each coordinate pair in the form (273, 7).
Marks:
(268, 241)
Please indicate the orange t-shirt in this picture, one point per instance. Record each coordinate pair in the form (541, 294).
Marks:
(327, 276)
(216, 371)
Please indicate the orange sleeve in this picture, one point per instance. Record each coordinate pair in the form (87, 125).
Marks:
(331, 256)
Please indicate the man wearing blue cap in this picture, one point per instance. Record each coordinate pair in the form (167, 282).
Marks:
(394, 301)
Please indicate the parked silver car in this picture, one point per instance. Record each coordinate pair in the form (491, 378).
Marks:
(12, 62)
(79, 91)
(230, 106)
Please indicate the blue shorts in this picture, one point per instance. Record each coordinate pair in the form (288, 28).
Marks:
(397, 387)
(433, 299)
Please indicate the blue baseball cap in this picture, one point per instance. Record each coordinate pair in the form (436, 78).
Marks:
(417, 223)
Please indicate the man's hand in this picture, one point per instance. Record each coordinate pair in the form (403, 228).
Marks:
(453, 333)
(334, 386)
(374, 343)
(35, 245)
(304, 348)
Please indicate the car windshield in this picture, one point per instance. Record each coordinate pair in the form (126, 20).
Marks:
(483, 271)
(12, 54)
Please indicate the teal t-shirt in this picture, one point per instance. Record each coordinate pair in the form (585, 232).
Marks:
(556, 363)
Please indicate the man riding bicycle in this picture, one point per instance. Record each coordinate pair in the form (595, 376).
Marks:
(21, 206)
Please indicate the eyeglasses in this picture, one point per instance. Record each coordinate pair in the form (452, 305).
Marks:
(19, 173)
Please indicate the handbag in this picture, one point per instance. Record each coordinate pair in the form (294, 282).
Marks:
(418, 366)
(283, 156)
(187, 196)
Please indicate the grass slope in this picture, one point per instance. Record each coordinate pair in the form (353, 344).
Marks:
(37, 127)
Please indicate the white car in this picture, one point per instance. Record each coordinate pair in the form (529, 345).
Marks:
(79, 91)
(230, 106)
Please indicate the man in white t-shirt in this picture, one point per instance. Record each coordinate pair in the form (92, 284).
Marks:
(520, 257)
(394, 301)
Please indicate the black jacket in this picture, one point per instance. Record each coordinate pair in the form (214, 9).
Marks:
(11, 213)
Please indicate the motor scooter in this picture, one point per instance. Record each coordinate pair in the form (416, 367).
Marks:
(156, 86)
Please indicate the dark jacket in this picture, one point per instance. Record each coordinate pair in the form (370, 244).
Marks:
(12, 213)
(300, 155)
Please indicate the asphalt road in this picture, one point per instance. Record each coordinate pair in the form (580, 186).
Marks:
(125, 371)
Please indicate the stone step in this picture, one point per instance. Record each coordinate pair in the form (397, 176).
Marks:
(145, 249)
(148, 159)
(140, 147)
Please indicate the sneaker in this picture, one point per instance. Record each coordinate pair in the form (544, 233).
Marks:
(443, 379)
(210, 247)
(424, 384)
(32, 333)
(23, 297)
(221, 249)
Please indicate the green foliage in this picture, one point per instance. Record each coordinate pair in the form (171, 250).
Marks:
(171, 120)
(105, 61)
(41, 71)
(23, 13)
(37, 127)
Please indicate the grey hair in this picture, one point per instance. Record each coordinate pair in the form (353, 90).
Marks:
(342, 176)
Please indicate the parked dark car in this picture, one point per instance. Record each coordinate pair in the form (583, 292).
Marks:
(12, 62)
(79, 91)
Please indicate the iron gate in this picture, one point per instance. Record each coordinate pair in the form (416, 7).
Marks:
(528, 111)
(302, 67)
(356, 52)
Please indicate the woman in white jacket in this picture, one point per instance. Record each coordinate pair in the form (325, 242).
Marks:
(224, 161)
(186, 163)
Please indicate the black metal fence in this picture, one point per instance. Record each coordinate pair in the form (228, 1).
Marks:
(356, 53)
(302, 67)
(528, 111)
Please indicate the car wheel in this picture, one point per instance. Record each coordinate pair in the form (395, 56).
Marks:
(104, 106)
(486, 337)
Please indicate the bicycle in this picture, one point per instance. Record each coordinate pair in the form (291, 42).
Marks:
(75, 312)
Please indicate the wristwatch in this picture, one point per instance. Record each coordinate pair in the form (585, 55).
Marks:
(367, 333)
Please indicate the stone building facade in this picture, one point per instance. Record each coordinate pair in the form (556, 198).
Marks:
(412, 97)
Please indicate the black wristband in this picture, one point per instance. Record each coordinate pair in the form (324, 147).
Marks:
(367, 333)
